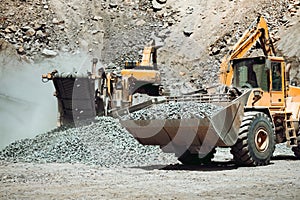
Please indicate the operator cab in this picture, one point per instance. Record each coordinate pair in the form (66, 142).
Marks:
(258, 72)
(251, 73)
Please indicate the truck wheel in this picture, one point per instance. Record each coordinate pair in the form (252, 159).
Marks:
(187, 158)
(256, 140)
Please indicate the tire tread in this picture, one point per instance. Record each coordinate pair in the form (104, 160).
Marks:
(242, 152)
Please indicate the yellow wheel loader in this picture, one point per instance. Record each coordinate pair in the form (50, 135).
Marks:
(259, 109)
(144, 76)
(83, 96)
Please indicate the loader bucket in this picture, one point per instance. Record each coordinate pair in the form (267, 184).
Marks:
(221, 129)
(75, 96)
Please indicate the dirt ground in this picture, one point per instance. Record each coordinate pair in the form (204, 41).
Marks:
(219, 180)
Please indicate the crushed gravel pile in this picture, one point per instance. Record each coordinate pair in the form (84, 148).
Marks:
(174, 110)
(104, 143)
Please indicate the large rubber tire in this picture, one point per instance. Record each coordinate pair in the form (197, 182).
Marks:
(256, 140)
(187, 158)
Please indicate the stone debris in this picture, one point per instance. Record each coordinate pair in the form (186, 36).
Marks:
(113, 4)
(174, 110)
(48, 52)
(157, 5)
(40, 34)
(103, 143)
(20, 50)
(189, 10)
(30, 32)
(162, 1)
(188, 31)
(97, 18)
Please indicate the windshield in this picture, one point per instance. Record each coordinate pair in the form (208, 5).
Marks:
(251, 73)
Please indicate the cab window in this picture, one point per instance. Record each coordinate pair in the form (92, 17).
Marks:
(251, 74)
(276, 76)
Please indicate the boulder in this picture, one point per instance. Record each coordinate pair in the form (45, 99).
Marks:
(39, 34)
(162, 1)
(113, 4)
(97, 18)
(30, 32)
(11, 28)
(140, 22)
(188, 31)
(48, 52)
(157, 6)
(21, 50)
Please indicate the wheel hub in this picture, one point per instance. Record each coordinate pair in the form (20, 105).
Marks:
(261, 140)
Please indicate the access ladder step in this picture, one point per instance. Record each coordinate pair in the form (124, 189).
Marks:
(292, 142)
(290, 132)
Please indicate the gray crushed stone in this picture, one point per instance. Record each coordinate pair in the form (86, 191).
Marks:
(104, 143)
(282, 150)
(174, 110)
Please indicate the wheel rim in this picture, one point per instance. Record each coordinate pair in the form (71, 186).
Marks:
(261, 140)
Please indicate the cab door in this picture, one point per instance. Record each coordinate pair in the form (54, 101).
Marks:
(277, 84)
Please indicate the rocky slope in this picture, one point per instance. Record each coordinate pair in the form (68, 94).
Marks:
(194, 35)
